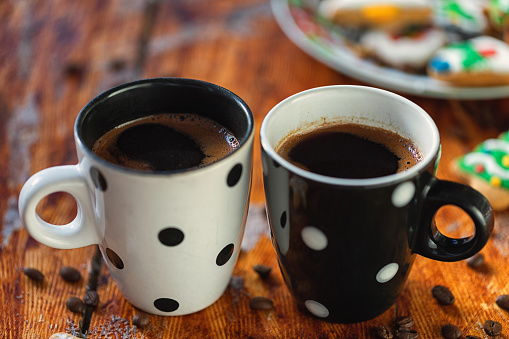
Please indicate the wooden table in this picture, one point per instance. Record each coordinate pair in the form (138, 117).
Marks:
(55, 56)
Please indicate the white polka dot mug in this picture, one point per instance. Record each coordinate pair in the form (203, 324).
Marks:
(345, 247)
(170, 239)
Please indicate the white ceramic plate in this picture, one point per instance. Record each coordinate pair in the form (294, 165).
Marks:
(299, 22)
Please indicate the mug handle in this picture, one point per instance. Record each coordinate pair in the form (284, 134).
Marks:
(78, 233)
(431, 243)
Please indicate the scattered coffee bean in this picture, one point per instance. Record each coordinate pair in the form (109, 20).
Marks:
(443, 295)
(262, 270)
(33, 274)
(503, 301)
(75, 305)
(261, 303)
(405, 333)
(91, 298)
(74, 70)
(492, 327)
(70, 274)
(475, 261)
(117, 65)
(141, 320)
(451, 331)
(405, 321)
(383, 332)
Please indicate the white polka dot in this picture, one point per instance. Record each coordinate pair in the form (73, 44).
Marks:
(403, 194)
(387, 273)
(316, 308)
(314, 238)
(432, 245)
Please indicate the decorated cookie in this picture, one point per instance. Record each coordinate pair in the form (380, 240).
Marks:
(409, 50)
(466, 16)
(499, 16)
(486, 169)
(481, 61)
(499, 13)
(377, 13)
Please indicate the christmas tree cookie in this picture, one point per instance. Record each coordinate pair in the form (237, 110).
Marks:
(486, 169)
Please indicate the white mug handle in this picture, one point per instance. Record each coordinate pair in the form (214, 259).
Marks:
(69, 179)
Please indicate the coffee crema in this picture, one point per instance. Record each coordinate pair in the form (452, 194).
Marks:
(166, 142)
(350, 150)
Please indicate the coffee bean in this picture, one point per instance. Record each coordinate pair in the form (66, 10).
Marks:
(75, 305)
(33, 274)
(74, 70)
(405, 333)
(383, 332)
(70, 274)
(503, 301)
(475, 261)
(492, 327)
(405, 321)
(141, 320)
(261, 303)
(451, 331)
(443, 295)
(262, 270)
(91, 298)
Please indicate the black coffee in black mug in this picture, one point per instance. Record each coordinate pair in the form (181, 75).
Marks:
(351, 151)
(351, 195)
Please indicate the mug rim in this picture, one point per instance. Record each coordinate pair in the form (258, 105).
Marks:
(105, 95)
(371, 182)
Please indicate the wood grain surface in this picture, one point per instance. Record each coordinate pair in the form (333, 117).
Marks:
(55, 56)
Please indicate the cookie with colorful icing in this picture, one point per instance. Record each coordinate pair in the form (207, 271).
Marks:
(408, 50)
(486, 169)
(481, 61)
(377, 13)
(464, 16)
(499, 16)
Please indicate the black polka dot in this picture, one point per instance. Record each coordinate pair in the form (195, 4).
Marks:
(282, 220)
(166, 304)
(114, 258)
(98, 179)
(234, 175)
(224, 255)
(171, 236)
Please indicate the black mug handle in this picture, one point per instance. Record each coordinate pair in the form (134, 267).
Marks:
(431, 243)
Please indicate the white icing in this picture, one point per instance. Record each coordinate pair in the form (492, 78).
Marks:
(329, 7)
(500, 61)
(404, 51)
(488, 162)
(496, 145)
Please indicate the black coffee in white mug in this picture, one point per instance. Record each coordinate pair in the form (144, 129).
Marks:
(166, 142)
(346, 244)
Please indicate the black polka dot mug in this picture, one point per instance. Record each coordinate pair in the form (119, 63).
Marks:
(170, 239)
(345, 247)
